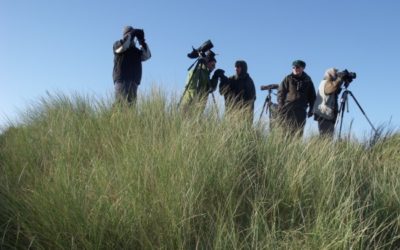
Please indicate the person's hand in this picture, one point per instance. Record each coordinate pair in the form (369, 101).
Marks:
(139, 33)
(143, 44)
(218, 73)
(128, 37)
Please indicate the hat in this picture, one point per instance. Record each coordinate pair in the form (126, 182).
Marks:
(127, 29)
(299, 63)
(330, 73)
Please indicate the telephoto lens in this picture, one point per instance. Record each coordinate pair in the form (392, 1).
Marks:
(202, 50)
(269, 87)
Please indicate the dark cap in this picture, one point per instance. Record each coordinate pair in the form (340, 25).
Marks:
(127, 29)
(299, 63)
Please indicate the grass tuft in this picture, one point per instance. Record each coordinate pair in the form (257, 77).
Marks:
(78, 173)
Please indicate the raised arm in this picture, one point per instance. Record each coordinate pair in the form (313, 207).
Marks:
(282, 92)
(122, 45)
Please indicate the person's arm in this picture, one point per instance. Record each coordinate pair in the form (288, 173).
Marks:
(252, 90)
(213, 84)
(224, 85)
(146, 54)
(145, 50)
(218, 74)
(282, 92)
(123, 44)
(332, 86)
(311, 98)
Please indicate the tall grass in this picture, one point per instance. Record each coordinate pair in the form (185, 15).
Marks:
(81, 174)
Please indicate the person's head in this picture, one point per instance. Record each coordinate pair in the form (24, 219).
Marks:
(210, 62)
(298, 67)
(127, 30)
(240, 68)
(330, 74)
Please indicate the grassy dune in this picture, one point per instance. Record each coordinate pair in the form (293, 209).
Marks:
(77, 174)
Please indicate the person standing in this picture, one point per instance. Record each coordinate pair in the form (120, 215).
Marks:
(128, 58)
(199, 84)
(296, 93)
(238, 90)
(326, 105)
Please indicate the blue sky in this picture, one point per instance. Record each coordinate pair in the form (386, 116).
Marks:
(66, 46)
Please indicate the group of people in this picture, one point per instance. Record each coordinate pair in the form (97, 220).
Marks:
(238, 90)
(296, 99)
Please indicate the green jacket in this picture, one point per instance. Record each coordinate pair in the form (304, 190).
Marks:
(198, 85)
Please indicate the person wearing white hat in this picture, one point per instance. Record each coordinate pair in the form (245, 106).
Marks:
(326, 105)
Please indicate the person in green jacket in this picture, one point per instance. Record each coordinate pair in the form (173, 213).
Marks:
(199, 85)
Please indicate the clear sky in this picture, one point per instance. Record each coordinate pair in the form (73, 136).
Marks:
(66, 46)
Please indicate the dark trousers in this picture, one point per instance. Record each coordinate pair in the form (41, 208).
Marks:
(125, 91)
(326, 127)
(295, 121)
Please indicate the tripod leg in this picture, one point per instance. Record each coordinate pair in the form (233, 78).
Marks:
(341, 122)
(180, 100)
(362, 111)
(196, 63)
(262, 110)
(341, 113)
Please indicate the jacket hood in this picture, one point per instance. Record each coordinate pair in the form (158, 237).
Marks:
(243, 66)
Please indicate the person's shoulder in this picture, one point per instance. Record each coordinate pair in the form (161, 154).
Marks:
(249, 79)
(288, 77)
(324, 81)
(116, 45)
(307, 77)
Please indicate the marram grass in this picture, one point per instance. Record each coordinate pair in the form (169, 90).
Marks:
(77, 173)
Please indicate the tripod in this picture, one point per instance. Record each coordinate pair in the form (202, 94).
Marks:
(199, 63)
(343, 104)
(268, 104)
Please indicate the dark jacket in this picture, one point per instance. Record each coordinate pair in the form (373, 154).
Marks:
(128, 64)
(238, 90)
(296, 93)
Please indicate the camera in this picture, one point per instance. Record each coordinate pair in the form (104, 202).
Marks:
(347, 76)
(269, 87)
(139, 33)
(203, 51)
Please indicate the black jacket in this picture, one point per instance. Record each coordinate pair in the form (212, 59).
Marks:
(238, 90)
(128, 64)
